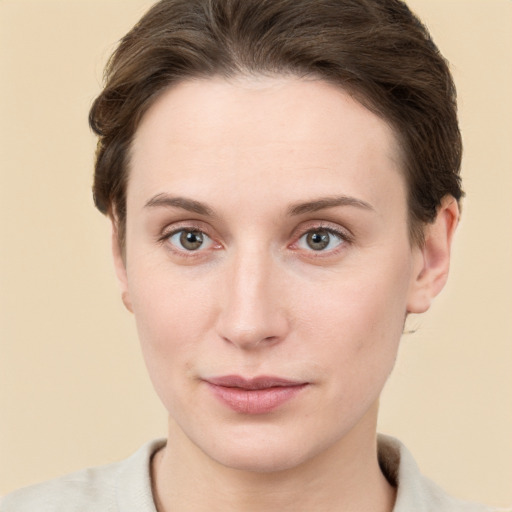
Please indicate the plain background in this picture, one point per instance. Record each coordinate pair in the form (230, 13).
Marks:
(73, 389)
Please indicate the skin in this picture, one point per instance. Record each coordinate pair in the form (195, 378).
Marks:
(254, 158)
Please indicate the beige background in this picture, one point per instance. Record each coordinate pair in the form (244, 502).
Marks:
(73, 390)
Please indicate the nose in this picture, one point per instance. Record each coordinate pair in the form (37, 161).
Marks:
(253, 311)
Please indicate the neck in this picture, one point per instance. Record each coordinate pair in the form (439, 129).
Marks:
(341, 478)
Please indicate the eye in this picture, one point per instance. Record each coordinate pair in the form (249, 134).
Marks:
(320, 239)
(190, 240)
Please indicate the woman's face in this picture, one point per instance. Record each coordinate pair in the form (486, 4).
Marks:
(267, 247)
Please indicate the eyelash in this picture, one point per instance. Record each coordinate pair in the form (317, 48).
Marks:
(344, 237)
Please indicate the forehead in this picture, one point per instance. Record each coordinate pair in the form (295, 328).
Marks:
(262, 132)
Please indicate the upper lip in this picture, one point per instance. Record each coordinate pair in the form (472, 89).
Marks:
(260, 382)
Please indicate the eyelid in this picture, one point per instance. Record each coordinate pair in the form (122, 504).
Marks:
(187, 225)
(331, 227)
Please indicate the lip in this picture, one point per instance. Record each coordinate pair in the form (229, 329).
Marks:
(258, 395)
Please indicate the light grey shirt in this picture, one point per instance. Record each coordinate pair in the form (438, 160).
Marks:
(126, 487)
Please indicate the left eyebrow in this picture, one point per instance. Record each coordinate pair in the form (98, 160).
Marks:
(328, 202)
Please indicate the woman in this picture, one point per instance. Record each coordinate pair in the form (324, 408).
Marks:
(282, 180)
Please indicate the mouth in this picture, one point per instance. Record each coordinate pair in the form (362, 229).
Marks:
(258, 395)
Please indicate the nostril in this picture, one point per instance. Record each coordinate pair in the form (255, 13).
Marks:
(250, 340)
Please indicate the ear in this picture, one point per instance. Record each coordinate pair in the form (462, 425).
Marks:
(432, 259)
(120, 267)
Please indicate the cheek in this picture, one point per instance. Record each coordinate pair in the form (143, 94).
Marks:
(168, 303)
(172, 318)
(355, 325)
(368, 305)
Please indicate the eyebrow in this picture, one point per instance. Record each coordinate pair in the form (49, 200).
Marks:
(179, 202)
(164, 200)
(328, 202)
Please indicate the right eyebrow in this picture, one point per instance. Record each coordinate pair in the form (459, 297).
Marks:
(184, 203)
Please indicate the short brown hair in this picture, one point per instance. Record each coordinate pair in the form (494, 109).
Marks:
(377, 50)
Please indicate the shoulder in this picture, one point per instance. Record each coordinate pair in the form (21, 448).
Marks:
(414, 490)
(92, 489)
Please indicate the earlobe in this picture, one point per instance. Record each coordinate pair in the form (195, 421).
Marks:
(120, 268)
(125, 297)
(432, 260)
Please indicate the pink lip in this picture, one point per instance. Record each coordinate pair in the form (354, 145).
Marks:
(258, 395)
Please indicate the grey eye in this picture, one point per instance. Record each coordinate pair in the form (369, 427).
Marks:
(190, 240)
(319, 240)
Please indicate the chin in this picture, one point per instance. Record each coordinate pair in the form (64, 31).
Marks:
(262, 458)
(263, 448)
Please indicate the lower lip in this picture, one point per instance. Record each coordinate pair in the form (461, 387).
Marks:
(255, 401)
